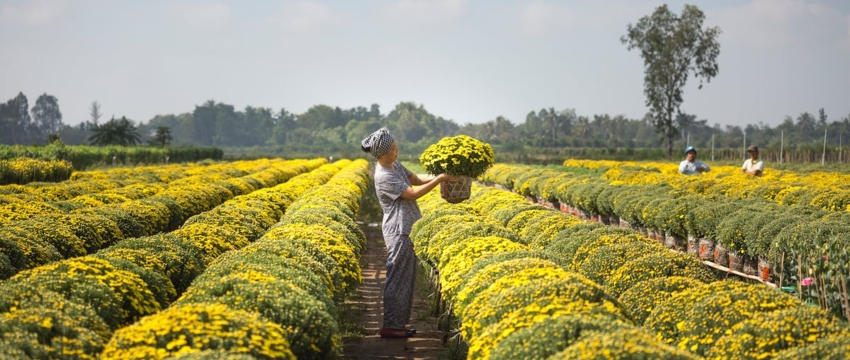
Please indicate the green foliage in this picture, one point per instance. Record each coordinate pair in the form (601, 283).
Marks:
(119, 297)
(767, 334)
(833, 347)
(696, 318)
(194, 328)
(309, 326)
(459, 155)
(42, 324)
(115, 132)
(546, 338)
(22, 171)
(644, 296)
(83, 157)
(624, 343)
(655, 265)
(601, 264)
(170, 255)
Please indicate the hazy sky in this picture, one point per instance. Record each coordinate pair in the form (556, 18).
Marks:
(466, 60)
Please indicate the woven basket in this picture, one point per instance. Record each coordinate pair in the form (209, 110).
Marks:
(455, 191)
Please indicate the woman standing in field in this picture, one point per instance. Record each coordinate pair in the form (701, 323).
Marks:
(393, 185)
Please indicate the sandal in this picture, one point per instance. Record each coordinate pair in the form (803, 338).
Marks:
(397, 333)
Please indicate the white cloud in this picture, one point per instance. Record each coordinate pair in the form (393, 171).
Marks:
(203, 15)
(425, 12)
(772, 24)
(302, 15)
(31, 12)
(539, 16)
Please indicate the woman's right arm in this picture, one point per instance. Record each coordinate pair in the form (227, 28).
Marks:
(414, 193)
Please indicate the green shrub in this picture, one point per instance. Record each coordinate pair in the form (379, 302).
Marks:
(601, 264)
(118, 296)
(277, 267)
(305, 253)
(43, 324)
(170, 255)
(309, 326)
(655, 265)
(642, 298)
(696, 318)
(623, 343)
(194, 328)
(506, 214)
(766, 334)
(833, 347)
(551, 335)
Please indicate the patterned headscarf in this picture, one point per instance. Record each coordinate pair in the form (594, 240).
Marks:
(378, 143)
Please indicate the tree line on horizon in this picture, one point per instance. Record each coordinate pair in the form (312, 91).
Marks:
(326, 129)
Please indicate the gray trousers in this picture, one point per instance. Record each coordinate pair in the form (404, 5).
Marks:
(401, 278)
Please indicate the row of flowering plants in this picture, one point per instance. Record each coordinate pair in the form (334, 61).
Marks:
(147, 210)
(71, 308)
(25, 170)
(83, 156)
(635, 298)
(276, 298)
(800, 246)
(507, 269)
(96, 188)
(823, 190)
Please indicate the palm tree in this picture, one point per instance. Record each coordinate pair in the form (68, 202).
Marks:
(115, 132)
(162, 136)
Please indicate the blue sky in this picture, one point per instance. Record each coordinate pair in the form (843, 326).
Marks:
(466, 60)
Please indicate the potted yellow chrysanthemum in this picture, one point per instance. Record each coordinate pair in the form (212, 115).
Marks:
(461, 156)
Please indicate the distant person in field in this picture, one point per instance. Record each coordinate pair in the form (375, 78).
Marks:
(753, 165)
(691, 165)
(393, 185)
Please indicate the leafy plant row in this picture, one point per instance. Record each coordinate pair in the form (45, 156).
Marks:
(800, 246)
(54, 234)
(70, 309)
(531, 282)
(821, 190)
(83, 157)
(97, 181)
(25, 170)
(276, 298)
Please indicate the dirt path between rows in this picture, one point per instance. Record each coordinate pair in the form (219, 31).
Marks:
(426, 345)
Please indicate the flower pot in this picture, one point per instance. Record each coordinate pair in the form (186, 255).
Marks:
(751, 266)
(721, 255)
(706, 249)
(455, 191)
(764, 268)
(675, 242)
(693, 245)
(736, 261)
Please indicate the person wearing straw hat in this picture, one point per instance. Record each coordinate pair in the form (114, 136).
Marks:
(691, 165)
(393, 185)
(753, 165)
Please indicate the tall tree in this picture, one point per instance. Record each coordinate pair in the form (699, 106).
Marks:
(48, 118)
(204, 121)
(672, 48)
(807, 124)
(15, 121)
(95, 113)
